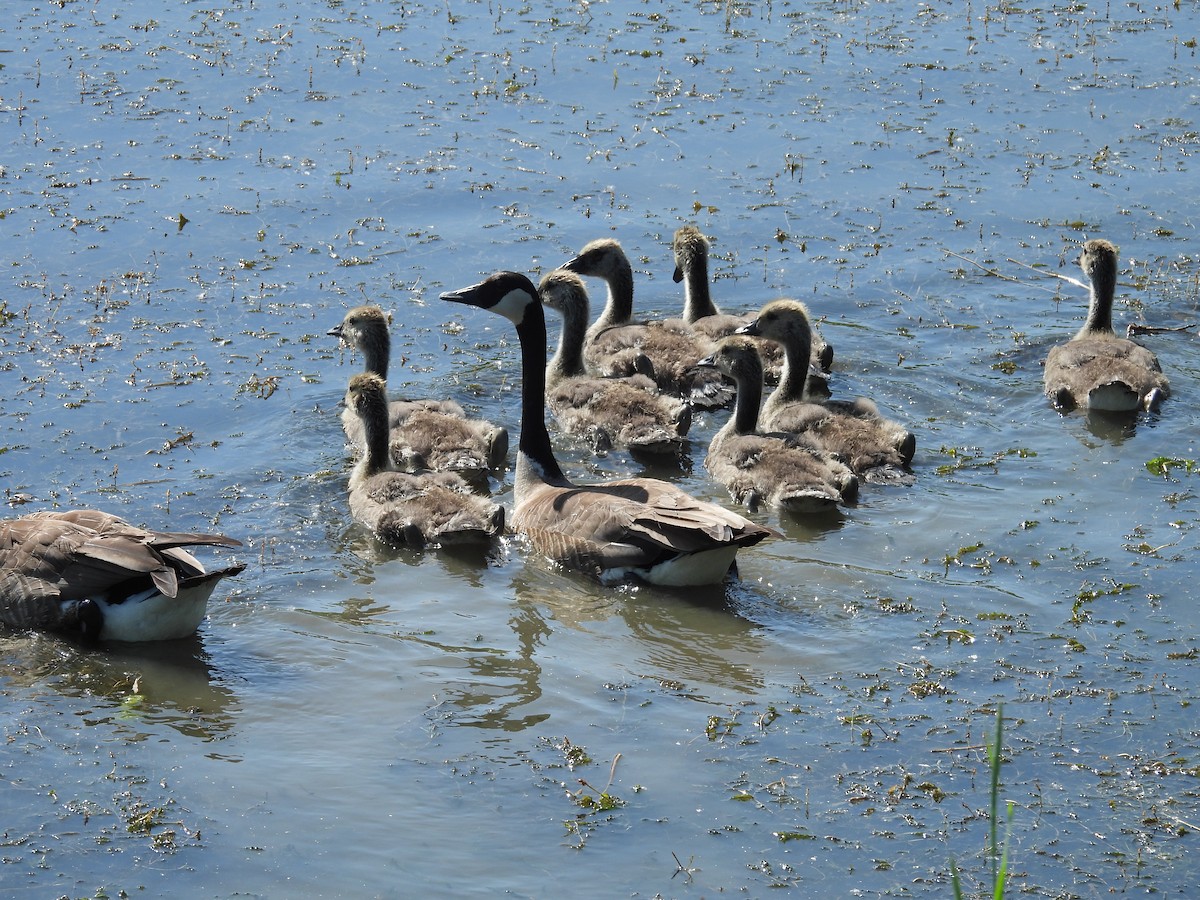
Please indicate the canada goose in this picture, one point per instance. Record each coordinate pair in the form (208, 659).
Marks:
(411, 509)
(789, 473)
(1096, 368)
(616, 346)
(625, 412)
(870, 444)
(93, 575)
(637, 527)
(426, 434)
(690, 249)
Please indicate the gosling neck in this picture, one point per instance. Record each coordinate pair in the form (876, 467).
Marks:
(793, 380)
(749, 400)
(567, 361)
(377, 456)
(618, 307)
(376, 347)
(697, 298)
(1100, 301)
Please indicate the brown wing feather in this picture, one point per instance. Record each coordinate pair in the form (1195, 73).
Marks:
(81, 553)
(635, 522)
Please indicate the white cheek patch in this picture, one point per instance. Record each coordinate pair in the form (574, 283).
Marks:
(514, 304)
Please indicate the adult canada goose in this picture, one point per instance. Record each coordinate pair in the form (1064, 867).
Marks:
(616, 346)
(1096, 368)
(623, 412)
(406, 508)
(425, 434)
(93, 575)
(797, 475)
(690, 249)
(638, 527)
(871, 445)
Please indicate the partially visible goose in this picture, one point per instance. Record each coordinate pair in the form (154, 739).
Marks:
(635, 527)
(1096, 368)
(608, 412)
(615, 345)
(756, 467)
(690, 249)
(426, 434)
(94, 575)
(871, 445)
(406, 508)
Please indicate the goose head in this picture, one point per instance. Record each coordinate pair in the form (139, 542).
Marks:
(367, 330)
(510, 294)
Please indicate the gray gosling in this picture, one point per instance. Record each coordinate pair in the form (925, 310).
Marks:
(92, 575)
(627, 412)
(639, 528)
(1096, 369)
(690, 248)
(874, 447)
(616, 345)
(426, 434)
(406, 508)
(793, 474)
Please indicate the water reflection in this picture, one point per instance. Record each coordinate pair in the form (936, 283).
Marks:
(694, 635)
(171, 682)
(1113, 427)
(364, 551)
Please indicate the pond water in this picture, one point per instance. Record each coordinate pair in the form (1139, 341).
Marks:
(191, 197)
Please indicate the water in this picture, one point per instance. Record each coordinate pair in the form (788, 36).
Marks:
(191, 199)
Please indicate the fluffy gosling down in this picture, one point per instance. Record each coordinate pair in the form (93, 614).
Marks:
(425, 434)
(690, 249)
(627, 412)
(615, 345)
(874, 447)
(93, 575)
(757, 468)
(626, 528)
(406, 508)
(1096, 369)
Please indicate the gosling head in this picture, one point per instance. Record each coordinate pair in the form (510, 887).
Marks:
(783, 321)
(601, 258)
(563, 291)
(690, 248)
(362, 325)
(1098, 260)
(736, 357)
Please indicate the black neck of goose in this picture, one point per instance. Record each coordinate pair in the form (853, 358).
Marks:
(376, 348)
(697, 298)
(1100, 301)
(568, 358)
(793, 380)
(749, 399)
(535, 439)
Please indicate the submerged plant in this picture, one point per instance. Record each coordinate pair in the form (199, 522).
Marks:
(996, 851)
